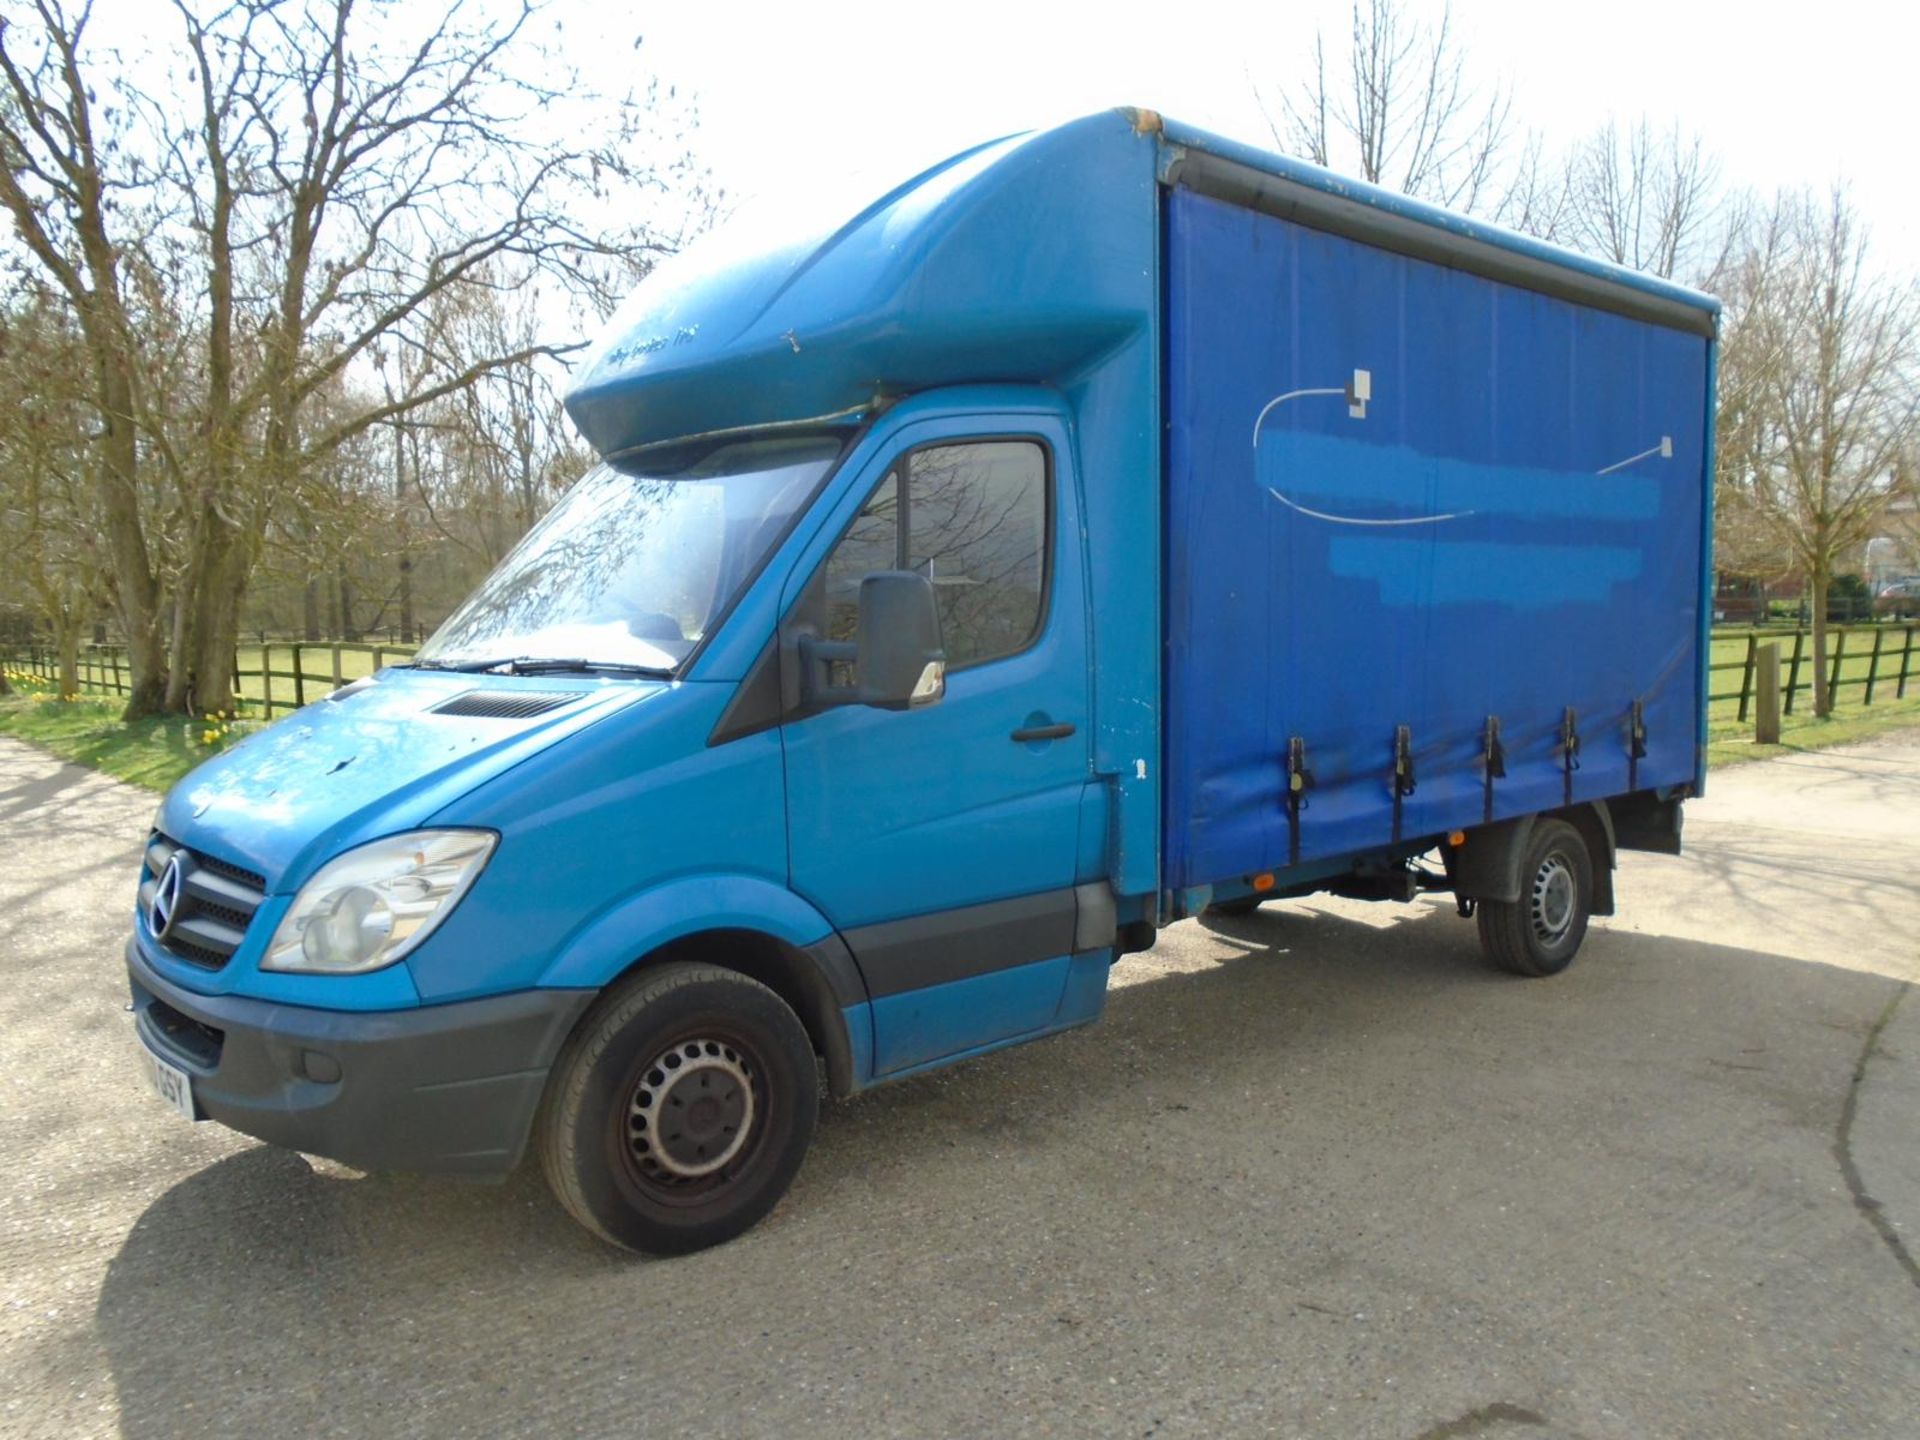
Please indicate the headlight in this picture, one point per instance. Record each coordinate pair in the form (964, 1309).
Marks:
(372, 905)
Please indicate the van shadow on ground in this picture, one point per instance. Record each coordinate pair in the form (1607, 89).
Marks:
(1251, 1105)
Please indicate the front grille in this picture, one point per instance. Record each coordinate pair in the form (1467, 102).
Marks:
(214, 904)
(225, 914)
(505, 704)
(233, 872)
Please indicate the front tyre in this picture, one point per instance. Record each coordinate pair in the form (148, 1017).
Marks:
(1540, 933)
(680, 1110)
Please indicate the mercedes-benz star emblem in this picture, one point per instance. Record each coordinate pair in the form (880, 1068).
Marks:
(166, 900)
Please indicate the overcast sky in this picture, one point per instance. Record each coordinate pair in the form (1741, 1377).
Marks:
(1783, 95)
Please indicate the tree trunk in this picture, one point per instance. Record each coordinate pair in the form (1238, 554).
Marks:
(348, 630)
(406, 598)
(67, 638)
(216, 620)
(200, 589)
(1822, 700)
(213, 670)
(179, 670)
(136, 589)
(310, 604)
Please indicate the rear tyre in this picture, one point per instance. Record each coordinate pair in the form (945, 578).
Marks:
(680, 1109)
(1540, 933)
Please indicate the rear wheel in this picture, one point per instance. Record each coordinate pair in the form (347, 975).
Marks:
(1540, 933)
(680, 1110)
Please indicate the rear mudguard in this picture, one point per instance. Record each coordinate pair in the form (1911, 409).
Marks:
(1487, 865)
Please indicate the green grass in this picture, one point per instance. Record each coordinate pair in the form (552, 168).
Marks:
(153, 753)
(1730, 743)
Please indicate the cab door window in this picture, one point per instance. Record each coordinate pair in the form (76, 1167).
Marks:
(973, 517)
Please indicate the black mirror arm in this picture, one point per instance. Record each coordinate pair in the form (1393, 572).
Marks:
(816, 656)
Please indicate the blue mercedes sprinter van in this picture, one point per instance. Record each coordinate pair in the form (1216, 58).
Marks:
(1108, 523)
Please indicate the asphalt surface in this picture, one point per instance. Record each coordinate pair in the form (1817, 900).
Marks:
(1320, 1172)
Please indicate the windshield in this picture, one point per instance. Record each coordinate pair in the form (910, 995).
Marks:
(638, 560)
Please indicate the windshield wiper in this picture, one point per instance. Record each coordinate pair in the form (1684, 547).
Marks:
(542, 665)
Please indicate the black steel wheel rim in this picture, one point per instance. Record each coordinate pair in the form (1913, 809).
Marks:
(693, 1116)
(1554, 899)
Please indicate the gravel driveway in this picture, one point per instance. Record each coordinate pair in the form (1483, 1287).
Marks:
(1319, 1172)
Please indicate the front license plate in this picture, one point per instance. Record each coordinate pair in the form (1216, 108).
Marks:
(170, 1082)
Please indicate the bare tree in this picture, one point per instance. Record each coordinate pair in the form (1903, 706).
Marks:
(1395, 102)
(319, 172)
(505, 445)
(48, 508)
(1396, 106)
(342, 177)
(66, 181)
(1822, 392)
(1648, 200)
(1534, 194)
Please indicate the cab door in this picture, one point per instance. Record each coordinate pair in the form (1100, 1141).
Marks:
(941, 841)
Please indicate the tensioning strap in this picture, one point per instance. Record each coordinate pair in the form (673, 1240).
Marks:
(1299, 781)
(1403, 782)
(1569, 752)
(1494, 761)
(1636, 742)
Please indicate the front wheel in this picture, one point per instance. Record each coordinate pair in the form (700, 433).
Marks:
(1540, 933)
(680, 1110)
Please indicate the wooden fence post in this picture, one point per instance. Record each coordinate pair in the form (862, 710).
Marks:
(1766, 721)
(299, 680)
(1833, 681)
(1746, 674)
(1906, 655)
(1873, 661)
(1793, 674)
(337, 681)
(266, 678)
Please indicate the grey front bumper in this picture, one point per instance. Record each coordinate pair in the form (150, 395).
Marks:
(445, 1087)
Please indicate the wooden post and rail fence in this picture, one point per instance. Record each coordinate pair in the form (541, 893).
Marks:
(1866, 663)
(1876, 661)
(283, 674)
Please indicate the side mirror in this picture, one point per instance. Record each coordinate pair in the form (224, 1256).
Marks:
(902, 664)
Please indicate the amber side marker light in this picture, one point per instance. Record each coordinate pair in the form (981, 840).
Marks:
(1263, 882)
(1457, 838)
